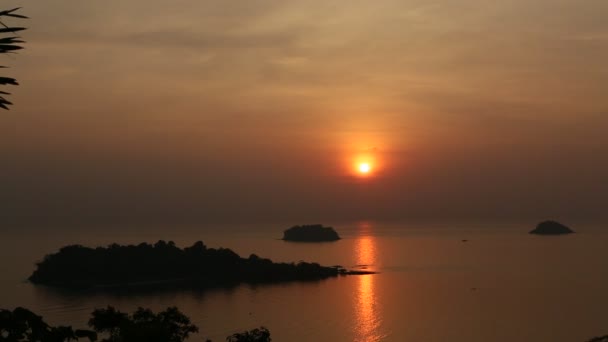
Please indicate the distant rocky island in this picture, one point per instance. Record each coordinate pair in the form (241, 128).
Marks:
(310, 233)
(163, 263)
(551, 228)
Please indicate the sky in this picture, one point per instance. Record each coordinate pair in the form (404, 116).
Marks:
(258, 110)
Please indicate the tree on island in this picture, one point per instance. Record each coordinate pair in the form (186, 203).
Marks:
(9, 43)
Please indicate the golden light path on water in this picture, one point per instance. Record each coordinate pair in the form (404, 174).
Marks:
(367, 310)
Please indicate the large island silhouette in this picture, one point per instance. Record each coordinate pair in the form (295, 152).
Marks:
(77, 266)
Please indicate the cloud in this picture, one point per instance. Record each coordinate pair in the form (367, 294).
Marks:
(171, 38)
(466, 99)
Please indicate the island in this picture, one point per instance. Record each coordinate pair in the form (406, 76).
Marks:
(551, 228)
(164, 264)
(310, 233)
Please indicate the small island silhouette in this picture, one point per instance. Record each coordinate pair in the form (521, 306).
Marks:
(163, 263)
(551, 228)
(310, 233)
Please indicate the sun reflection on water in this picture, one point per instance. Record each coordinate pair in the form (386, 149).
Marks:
(367, 313)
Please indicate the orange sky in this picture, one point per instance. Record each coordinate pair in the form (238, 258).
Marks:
(258, 110)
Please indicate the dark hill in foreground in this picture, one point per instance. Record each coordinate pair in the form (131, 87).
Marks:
(551, 228)
(310, 233)
(116, 265)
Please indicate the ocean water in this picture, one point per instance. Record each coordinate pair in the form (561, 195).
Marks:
(501, 285)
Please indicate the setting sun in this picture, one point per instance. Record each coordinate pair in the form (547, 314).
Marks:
(364, 164)
(364, 168)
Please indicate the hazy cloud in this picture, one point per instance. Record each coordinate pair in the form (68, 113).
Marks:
(205, 110)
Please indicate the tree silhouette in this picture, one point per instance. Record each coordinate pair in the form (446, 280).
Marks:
(171, 325)
(143, 325)
(22, 325)
(256, 335)
(9, 43)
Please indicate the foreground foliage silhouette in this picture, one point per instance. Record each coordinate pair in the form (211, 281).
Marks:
(599, 339)
(163, 263)
(143, 325)
(22, 325)
(9, 43)
(256, 335)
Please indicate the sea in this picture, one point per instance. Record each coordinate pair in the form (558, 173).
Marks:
(457, 282)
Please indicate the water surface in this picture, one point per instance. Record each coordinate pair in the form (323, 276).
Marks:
(501, 285)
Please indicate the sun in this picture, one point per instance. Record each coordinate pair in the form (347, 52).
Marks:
(364, 165)
(364, 168)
